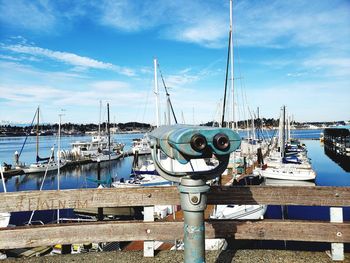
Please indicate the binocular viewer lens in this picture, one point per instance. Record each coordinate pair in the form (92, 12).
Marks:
(221, 142)
(199, 142)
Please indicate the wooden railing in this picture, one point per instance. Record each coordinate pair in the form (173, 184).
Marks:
(297, 230)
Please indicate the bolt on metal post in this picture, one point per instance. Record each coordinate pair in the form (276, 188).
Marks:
(193, 202)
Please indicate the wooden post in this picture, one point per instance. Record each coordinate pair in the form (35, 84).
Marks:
(336, 216)
(148, 246)
(99, 209)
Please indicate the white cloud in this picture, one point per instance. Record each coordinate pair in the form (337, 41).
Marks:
(30, 93)
(210, 32)
(5, 57)
(275, 24)
(297, 74)
(45, 94)
(33, 15)
(293, 23)
(67, 58)
(328, 66)
(110, 85)
(127, 15)
(324, 61)
(13, 70)
(307, 101)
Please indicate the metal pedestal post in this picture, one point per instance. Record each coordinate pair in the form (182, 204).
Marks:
(193, 202)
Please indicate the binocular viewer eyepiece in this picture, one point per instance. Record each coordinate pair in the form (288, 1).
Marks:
(186, 142)
(220, 141)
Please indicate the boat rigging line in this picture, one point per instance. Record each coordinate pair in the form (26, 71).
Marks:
(27, 135)
(226, 78)
(167, 93)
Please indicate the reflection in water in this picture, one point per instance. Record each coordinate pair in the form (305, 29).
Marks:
(21, 181)
(72, 177)
(341, 159)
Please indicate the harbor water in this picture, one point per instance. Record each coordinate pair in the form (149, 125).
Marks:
(74, 177)
(329, 172)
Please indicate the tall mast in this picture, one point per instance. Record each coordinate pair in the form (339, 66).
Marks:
(232, 76)
(289, 127)
(109, 143)
(258, 123)
(59, 161)
(156, 92)
(99, 121)
(99, 127)
(37, 134)
(283, 136)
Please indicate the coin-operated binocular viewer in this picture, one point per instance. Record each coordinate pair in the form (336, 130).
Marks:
(184, 143)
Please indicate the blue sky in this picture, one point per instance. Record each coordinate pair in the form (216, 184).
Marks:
(71, 54)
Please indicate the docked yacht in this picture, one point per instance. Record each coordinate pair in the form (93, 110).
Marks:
(105, 156)
(97, 144)
(286, 173)
(41, 167)
(141, 146)
(142, 180)
(240, 212)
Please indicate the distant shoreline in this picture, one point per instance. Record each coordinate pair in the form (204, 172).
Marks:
(90, 133)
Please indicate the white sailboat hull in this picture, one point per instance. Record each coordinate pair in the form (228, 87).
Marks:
(4, 219)
(41, 167)
(288, 174)
(148, 180)
(276, 164)
(240, 212)
(105, 157)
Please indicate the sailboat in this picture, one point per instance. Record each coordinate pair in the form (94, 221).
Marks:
(42, 164)
(233, 211)
(100, 146)
(293, 167)
(107, 153)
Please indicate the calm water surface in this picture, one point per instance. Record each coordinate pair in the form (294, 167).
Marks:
(70, 178)
(329, 173)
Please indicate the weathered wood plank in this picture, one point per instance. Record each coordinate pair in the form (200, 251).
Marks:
(137, 230)
(281, 195)
(138, 196)
(84, 198)
(316, 231)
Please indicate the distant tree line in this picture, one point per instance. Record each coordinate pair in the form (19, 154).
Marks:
(272, 123)
(69, 128)
(243, 123)
(77, 129)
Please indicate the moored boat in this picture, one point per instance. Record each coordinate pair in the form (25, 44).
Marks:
(240, 212)
(286, 174)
